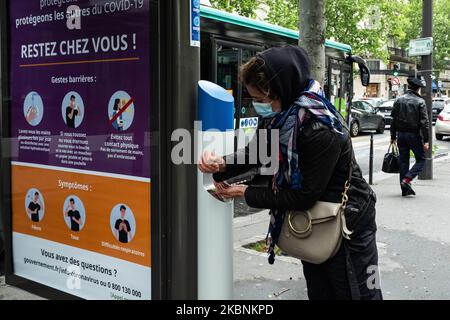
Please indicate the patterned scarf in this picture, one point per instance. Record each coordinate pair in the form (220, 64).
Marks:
(290, 123)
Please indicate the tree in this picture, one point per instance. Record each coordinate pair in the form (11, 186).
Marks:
(441, 35)
(312, 35)
(441, 30)
(284, 13)
(366, 25)
(246, 8)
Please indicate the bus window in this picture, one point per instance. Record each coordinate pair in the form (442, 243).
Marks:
(247, 110)
(230, 57)
(337, 85)
(227, 70)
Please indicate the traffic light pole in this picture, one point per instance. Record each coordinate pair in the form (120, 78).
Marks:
(427, 67)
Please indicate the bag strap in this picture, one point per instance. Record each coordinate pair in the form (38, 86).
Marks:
(346, 233)
(395, 149)
(347, 184)
(390, 147)
(350, 172)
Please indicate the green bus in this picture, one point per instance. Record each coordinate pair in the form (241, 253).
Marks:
(229, 40)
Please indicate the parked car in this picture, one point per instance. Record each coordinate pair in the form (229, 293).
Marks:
(443, 123)
(375, 102)
(438, 106)
(386, 109)
(365, 117)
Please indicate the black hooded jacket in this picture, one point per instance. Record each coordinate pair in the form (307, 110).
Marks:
(288, 69)
(325, 155)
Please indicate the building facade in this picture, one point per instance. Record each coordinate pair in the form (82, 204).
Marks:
(444, 82)
(388, 80)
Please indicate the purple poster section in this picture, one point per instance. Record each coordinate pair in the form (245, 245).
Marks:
(80, 85)
(80, 127)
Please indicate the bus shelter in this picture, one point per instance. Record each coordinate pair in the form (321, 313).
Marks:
(90, 93)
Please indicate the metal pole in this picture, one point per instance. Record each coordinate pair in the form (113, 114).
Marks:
(427, 66)
(2, 52)
(180, 97)
(351, 96)
(371, 160)
(5, 146)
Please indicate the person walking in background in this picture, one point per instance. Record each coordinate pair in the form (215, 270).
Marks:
(410, 130)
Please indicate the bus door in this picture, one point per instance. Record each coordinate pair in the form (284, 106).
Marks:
(339, 84)
(228, 57)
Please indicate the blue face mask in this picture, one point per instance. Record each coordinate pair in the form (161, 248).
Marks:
(264, 109)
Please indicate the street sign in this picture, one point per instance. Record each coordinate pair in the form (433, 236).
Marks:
(195, 23)
(395, 87)
(249, 123)
(421, 47)
(395, 81)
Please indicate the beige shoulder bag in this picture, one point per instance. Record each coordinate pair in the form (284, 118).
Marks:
(316, 235)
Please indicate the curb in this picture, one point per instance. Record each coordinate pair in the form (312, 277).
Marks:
(441, 155)
(382, 176)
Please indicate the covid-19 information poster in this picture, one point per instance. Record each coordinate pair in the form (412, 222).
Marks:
(81, 146)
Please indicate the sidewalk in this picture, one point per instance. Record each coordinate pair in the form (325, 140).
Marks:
(413, 242)
(11, 293)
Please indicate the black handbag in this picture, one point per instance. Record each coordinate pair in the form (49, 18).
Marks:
(391, 162)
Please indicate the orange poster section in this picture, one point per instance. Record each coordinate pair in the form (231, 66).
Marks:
(103, 194)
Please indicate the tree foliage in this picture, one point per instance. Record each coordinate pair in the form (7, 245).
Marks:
(246, 8)
(441, 34)
(441, 30)
(368, 26)
(284, 13)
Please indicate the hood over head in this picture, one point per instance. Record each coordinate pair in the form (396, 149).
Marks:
(288, 70)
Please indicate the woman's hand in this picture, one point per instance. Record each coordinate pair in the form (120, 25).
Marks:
(210, 163)
(232, 192)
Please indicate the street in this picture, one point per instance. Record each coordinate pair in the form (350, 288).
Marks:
(361, 145)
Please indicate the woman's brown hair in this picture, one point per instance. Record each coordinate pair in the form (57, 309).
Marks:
(252, 74)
